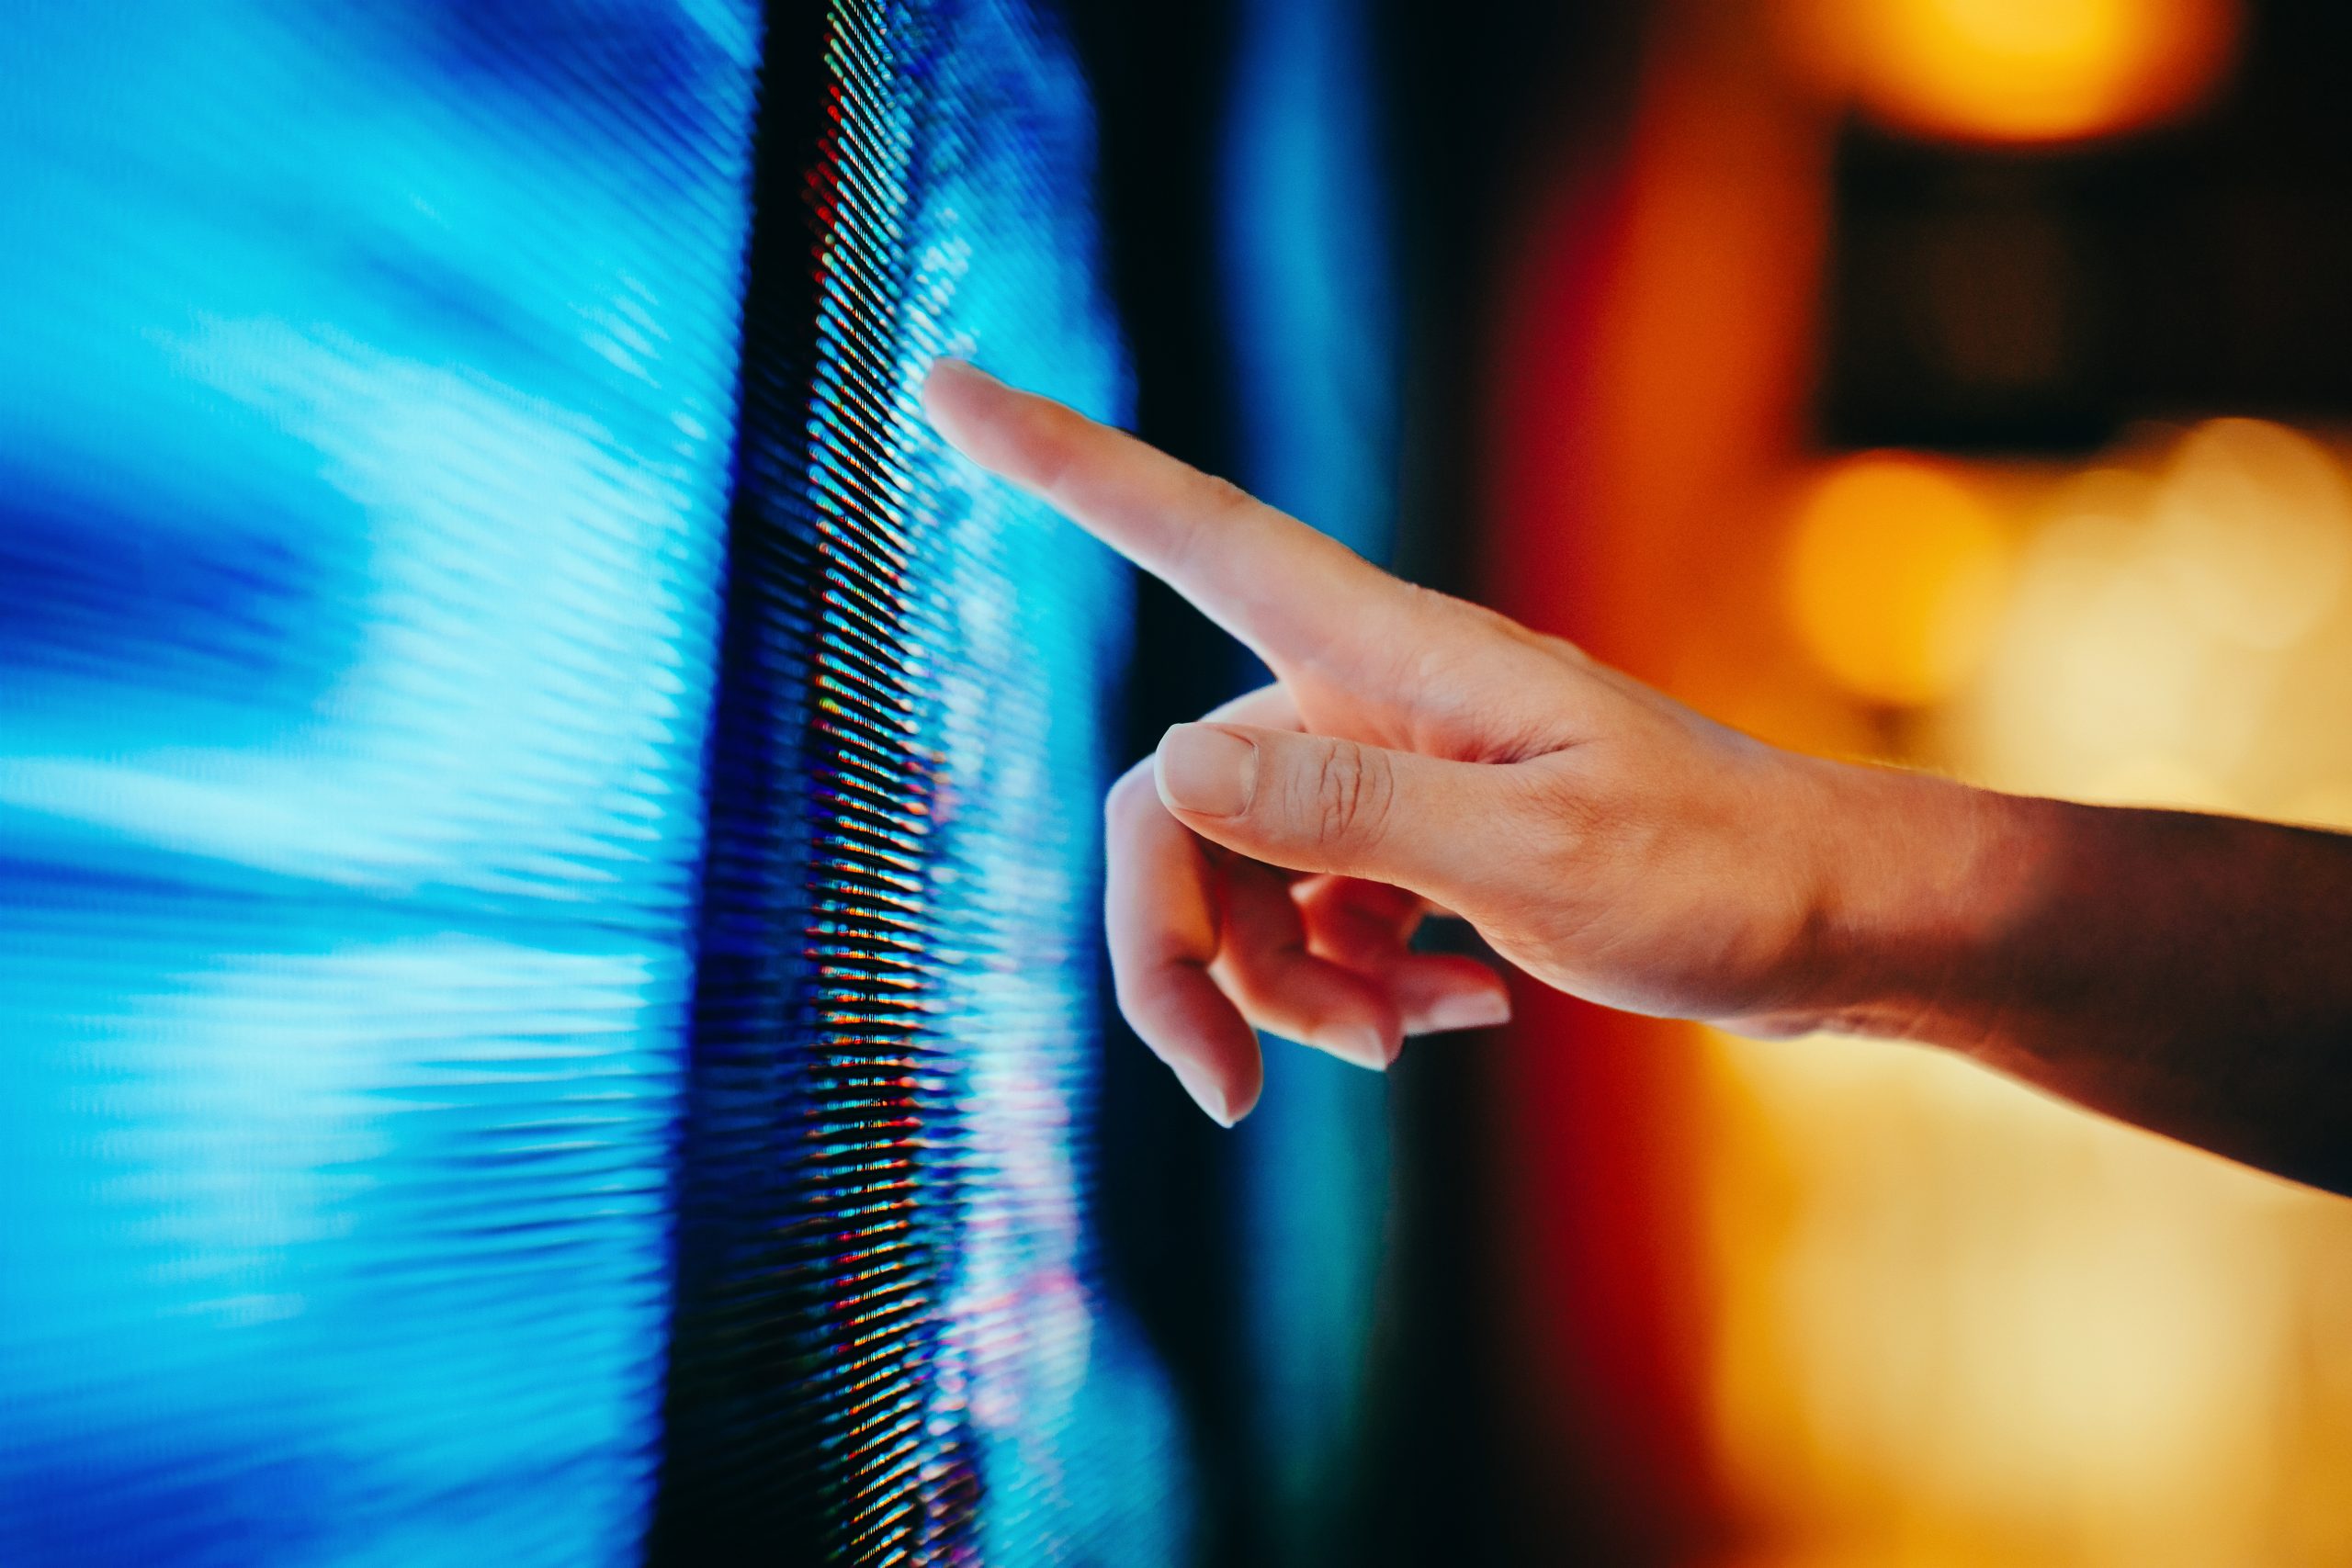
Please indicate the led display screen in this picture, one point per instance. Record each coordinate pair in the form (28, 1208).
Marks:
(547, 828)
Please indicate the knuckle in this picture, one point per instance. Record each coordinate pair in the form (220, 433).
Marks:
(1571, 816)
(1217, 494)
(1213, 504)
(1350, 794)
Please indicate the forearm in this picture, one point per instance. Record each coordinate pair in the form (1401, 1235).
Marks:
(2190, 973)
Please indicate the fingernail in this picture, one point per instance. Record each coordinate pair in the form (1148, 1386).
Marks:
(1203, 1090)
(1469, 1009)
(1359, 1044)
(1207, 771)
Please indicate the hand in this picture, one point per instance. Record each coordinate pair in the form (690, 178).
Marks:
(1267, 866)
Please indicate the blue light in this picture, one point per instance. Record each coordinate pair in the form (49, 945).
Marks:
(922, 834)
(1305, 274)
(380, 508)
(364, 445)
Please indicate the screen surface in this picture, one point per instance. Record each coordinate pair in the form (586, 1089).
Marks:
(544, 824)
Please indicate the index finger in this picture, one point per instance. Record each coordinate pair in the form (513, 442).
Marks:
(1293, 594)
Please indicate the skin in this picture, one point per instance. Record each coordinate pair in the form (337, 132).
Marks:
(2191, 973)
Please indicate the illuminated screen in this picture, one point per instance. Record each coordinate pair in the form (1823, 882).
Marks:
(547, 828)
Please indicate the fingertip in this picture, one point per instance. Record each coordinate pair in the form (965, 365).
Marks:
(1203, 1085)
(1365, 1046)
(947, 373)
(1177, 1012)
(1440, 993)
(1430, 993)
(1241, 1088)
(1224, 1098)
(947, 389)
(1480, 1008)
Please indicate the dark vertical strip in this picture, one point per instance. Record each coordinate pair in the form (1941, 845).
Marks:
(802, 1290)
(866, 1221)
(741, 1478)
(1487, 102)
(1165, 1204)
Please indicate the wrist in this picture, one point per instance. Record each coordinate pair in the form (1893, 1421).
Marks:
(1916, 880)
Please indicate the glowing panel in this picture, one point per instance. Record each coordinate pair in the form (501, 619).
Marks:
(546, 828)
(888, 1348)
(363, 456)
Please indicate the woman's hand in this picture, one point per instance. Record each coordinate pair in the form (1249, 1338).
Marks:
(2191, 973)
(1268, 865)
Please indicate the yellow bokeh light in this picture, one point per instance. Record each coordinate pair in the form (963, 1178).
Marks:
(2255, 521)
(2022, 70)
(1958, 1323)
(1895, 576)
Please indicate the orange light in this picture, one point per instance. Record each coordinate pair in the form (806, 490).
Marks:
(1895, 576)
(2021, 70)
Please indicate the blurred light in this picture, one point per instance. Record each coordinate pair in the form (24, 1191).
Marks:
(2098, 684)
(1963, 1324)
(2255, 528)
(2166, 627)
(1304, 263)
(2020, 70)
(1895, 576)
(2154, 778)
(1968, 1319)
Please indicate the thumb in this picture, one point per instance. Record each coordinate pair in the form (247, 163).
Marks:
(1315, 804)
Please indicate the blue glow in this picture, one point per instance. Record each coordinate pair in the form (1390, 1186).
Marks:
(381, 597)
(1306, 288)
(364, 445)
(1308, 291)
(976, 1393)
